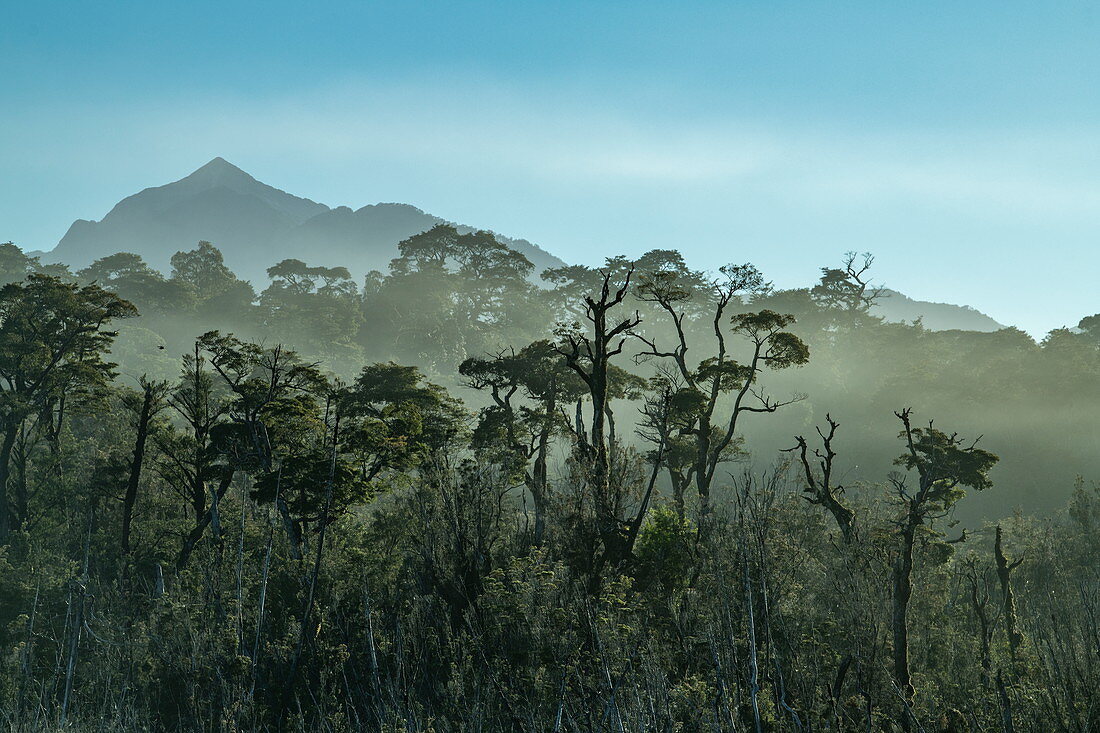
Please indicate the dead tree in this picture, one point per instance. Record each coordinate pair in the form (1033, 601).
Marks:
(820, 490)
(1008, 600)
(589, 356)
(847, 287)
(979, 603)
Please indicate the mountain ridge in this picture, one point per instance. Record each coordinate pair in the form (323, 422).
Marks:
(255, 225)
(221, 174)
(898, 307)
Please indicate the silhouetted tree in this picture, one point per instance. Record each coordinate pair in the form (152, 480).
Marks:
(847, 288)
(216, 289)
(943, 465)
(51, 334)
(820, 488)
(711, 441)
(588, 353)
(528, 389)
(145, 407)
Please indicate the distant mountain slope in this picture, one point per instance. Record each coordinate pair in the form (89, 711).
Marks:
(893, 306)
(255, 226)
(368, 237)
(219, 202)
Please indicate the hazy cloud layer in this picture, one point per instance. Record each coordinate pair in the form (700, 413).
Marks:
(952, 213)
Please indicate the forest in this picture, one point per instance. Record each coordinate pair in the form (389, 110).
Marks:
(463, 495)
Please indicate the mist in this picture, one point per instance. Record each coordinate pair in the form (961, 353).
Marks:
(567, 367)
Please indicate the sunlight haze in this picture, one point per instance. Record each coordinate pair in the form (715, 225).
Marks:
(952, 141)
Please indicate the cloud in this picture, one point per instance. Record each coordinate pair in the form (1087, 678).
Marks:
(581, 175)
(524, 133)
(520, 134)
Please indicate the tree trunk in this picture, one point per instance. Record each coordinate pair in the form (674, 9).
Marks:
(598, 388)
(196, 533)
(903, 592)
(611, 437)
(21, 489)
(198, 494)
(978, 604)
(135, 468)
(678, 501)
(702, 464)
(841, 514)
(1004, 574)
(53, 432)
(1006, 705)
(5, 473)
(599, 448)
(540, 484)
(754, 670)
(305, 635)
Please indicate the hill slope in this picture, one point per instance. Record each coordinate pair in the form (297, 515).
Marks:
(893, 306)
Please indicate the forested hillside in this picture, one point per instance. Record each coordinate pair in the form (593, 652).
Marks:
(464, 494)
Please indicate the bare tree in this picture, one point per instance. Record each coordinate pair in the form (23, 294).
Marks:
(820, 489)
(1008, 600)
(848, 287)
(589, 354)
(590, 357)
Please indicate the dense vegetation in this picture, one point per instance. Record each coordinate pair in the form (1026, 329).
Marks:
(638, 497)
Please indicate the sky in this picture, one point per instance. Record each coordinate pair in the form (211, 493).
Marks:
(958, 142)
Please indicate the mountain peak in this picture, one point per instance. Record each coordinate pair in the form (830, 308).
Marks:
(254, 225)
(219, 170)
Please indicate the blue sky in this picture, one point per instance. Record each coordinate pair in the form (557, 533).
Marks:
(959, 142)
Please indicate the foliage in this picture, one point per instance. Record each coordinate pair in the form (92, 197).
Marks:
(299, 525)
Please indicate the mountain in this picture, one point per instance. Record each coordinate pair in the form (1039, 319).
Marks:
(368, 237)
(254, 225)
(893, 306)
(219, 202)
